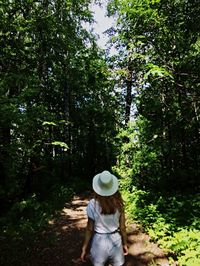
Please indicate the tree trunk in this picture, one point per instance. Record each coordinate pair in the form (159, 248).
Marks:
(67, 167)
(5, 139)
(128, 95)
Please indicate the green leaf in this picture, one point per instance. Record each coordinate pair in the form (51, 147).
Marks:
(49, 123)
(60, 143)
(157, 71)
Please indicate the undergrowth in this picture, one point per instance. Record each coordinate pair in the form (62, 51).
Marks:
(20, 228)
(171, 220)
(30, 214)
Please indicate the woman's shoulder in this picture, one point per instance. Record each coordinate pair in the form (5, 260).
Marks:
(91, 202)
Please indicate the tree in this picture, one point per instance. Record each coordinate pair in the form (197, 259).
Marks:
(58, 107)
(162, 40)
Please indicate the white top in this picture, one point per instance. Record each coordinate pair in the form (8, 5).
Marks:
(103, 223)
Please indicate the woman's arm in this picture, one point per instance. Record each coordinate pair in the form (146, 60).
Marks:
(88, 234)
(122, 228)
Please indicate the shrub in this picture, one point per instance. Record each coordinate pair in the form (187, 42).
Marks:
(172, 221)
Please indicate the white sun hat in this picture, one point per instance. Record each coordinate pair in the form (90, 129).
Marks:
(105, 184)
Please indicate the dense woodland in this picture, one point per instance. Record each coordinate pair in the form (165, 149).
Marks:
(70, 109)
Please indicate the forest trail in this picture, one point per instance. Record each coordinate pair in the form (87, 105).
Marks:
(61, 244)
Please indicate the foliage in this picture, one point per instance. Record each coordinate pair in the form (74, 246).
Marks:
(157, 66)
(162, 156)
(172, 221)
(31, 215)
(25, 223)
(58, 107)
(138, 160)
(68, 111)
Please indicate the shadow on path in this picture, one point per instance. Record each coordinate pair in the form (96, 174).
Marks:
(60, 245)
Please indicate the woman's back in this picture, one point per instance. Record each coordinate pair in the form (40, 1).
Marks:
(103, 223)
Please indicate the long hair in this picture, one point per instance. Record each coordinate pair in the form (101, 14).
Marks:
(110, 204)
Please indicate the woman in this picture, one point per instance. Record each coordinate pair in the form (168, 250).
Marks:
(106, 223)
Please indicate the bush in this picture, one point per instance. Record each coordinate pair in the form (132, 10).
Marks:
(31, 215)
(172, 221)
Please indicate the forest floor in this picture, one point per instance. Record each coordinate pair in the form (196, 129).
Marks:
(60, 244)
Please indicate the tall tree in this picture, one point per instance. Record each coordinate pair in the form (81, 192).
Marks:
(58, 107)
(163, 38)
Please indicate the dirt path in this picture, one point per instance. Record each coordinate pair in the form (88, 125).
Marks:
(61, 244)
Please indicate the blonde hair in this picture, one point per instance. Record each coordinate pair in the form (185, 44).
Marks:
(110, 204)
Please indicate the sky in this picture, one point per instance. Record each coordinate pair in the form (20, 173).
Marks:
(102, 23)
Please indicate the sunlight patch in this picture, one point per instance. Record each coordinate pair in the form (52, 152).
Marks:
(51, 222)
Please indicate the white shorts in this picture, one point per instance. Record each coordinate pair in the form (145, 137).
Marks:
(107, 247)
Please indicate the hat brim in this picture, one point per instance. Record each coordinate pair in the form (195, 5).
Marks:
(105, 192)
